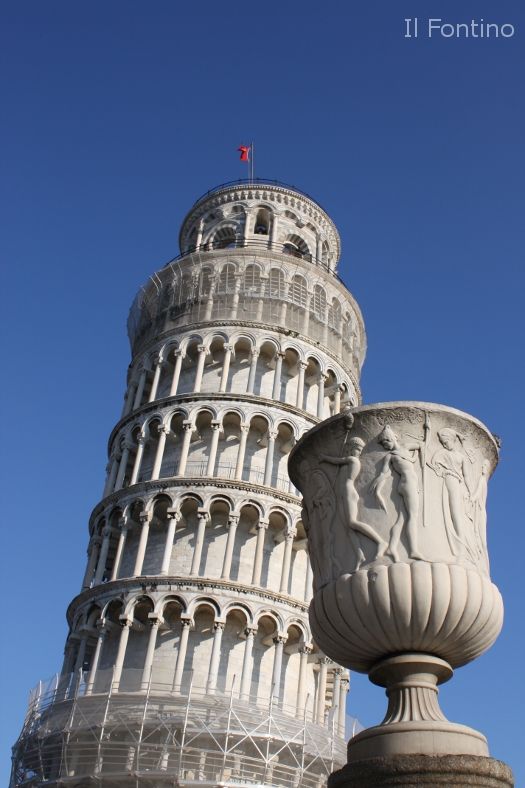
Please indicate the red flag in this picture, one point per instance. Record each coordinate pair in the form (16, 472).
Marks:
(244, 150)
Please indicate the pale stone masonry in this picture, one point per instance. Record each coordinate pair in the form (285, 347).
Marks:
(190, 657)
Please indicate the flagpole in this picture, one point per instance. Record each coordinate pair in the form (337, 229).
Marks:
(252, 161)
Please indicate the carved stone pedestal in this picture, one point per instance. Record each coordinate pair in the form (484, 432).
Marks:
(412, 771)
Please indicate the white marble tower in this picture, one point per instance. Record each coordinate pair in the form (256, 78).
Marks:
(189, 657)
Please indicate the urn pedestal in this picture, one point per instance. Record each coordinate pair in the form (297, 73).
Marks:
(394, 505)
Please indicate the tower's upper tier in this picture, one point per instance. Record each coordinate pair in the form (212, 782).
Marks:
(262, 214)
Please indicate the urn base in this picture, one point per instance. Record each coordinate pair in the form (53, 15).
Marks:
(412, 771)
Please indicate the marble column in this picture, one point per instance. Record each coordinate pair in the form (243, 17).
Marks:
(156, 378)
(320, 396)
(173, 518)
(200, 228)
(287, 558)
(187, 427)
(262, 527)
(214, 443)
(93, 551)
(159, 454)
(233, 522)
(260, 304)
(337, 399)
(279, 642)
(321, 689)
(253, 370)
(140, 389)
(155, 623)
(145, 519)
(343, 689)
(185, 624)
(276, 393)
(112, 475)
(336, 691)
(106, 536)
(81, 653)
(268, 466)
(308, 580)
(200, 369)
(282, 316)
(304, 652)
(199, 542)
(228, 350)
(121, 653)
(123, 465)
(123, 535)
(103, 630)
(179, 356)
(141, 443)
(209, 302)
(215, 656)
(245, 429)
(299, 400)
(236, 293)
(247, 663)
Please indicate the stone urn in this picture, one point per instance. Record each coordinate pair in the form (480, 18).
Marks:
(394, 508)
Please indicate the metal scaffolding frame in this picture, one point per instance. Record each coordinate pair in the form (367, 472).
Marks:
(160, 737)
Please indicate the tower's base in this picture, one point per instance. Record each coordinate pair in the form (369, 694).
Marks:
(412, 771)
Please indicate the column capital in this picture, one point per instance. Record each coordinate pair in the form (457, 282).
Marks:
(179, 353)
(124, 522)
(106, 531)
(145, 517)
(307, 648)
(323, 376)
(201, 348)
(245, 428)
(202, 515)
(187, 425)
(127, 446)
(272, 434)
(290, 532)
(141, 440)
(339, 672)
(185, 621)
(173, 514)
(125, 623)
(233, 520)
(219, 625)
(250, 632)
(263, 524)
(215, 424)
(280, 639)
(95, 541)
(303, 364)
(325, 661)
(162, 429)
(255, 352)
(155, 620)
(229, 348)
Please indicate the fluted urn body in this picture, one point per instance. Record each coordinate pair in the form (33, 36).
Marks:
(394, 505)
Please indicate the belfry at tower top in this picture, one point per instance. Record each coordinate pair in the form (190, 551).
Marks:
(259, 214)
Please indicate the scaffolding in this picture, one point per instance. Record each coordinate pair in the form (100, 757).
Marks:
(159, 736)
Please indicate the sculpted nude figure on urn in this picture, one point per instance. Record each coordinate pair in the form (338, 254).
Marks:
(394, 500)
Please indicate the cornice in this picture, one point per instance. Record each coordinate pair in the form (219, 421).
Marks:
(184, 583)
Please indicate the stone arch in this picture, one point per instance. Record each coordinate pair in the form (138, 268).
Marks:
(265, 369)
(256, 448)
(249, 514)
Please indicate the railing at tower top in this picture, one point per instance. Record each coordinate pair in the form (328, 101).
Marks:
(253, 474)
(257, 183)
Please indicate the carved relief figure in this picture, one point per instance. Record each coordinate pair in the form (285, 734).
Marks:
(399, 462)
(479, 514)
(451, 464)
(350, 467)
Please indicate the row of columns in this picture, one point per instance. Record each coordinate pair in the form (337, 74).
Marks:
(340, 679)
(99, 548)
(118, 465)
(134, 396)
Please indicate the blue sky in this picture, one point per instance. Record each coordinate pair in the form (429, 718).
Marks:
(117, 116)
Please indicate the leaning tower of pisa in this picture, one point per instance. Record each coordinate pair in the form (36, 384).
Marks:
(189, 657)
